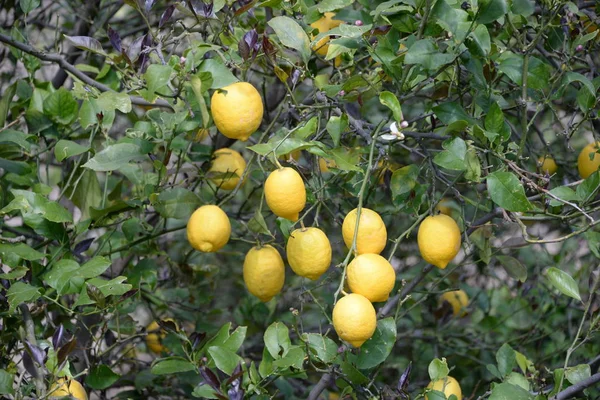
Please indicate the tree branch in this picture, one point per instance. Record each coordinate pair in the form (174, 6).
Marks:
(320, 386)
(578, 387)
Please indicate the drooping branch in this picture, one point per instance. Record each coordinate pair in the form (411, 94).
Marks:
(571, 391)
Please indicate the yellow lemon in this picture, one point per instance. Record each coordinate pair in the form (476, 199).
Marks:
(372, 234)
(585, 165)
(458, 299)
(229, 165)
(309, 252)
(201, 134)
(285, 193)
(64, 388)
(438, 240)
(325, 164)
(444, 206)
(354, 319)
(208, 229)
(264, 272)
(547, 165)
(324, 24)
(372, 276)
(237, 110)
(155, 336)
(449, 386)
(293, 156)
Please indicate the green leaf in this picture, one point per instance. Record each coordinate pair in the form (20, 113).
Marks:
(16, 167)
(513, 267)
(390, 100)
(514, 378)
(450, 112)
(403, 181)
(377, 349)
(481, 38)
(453, 157)
(61, 106)
(506, 190)
(101, 377)
(293, 358)
(473, 165)
(258, 224)
(576, 77)
(423, 52)
(494, 119)
(178, 203)
(66, 148)
(507, 391)
(336, 126)
(113, 287)
(578, 373)
(523, 7)
(225, 359)
(564, 193)
(5, 101)
(505, 357)
(588, 188)
(332, 5)
(110, 101)
(28, 5)
(86, 43)
(204, 391)
(21, 292)
(16, 137)
(235, 340)
(277, 339)
(291, 35)
(221, 75)
(114, 157)
(353, 374)
(21, 250)
(6, 382)
(322, 347)
(157, 77)
(306, 130)
(33, 203)
(16, 273)
(438, 369)
(564, 283)
(172, 366)
(491, 10)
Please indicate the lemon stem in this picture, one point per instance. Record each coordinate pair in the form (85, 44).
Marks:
(344, 293)
(302, 225)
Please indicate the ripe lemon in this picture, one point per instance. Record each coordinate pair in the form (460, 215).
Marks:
(444, 206)
(237, 110)
(309, 252)
(229, 165)
(547, 165)
(324, 24)
(458, 299)
(372, 276)
(293, 156)
(372, 234)
(264, 272)
(325, 164)
(354, 319)
(586, 166)
(449, 386)
(155, 336)
(208, 229)
(285, 193)
(439, 240)
(63, 388)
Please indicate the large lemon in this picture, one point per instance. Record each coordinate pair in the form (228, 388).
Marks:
(285, 193)
(237, 110)
(324, 24)
(354, 319)
(449, 386)
(439, 240)
(458, 299)
(547, 165)
(228, 165)
(372, 276)
(264, 272)
(155, 336)
(309, 252)
(372, 234)
(585, 165)
(63, 388)
(208, 229)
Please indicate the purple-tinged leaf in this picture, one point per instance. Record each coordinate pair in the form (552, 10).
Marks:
(65, 350)
(128, 294)
(82, 246)
(404, 378)
(57, 337)
(243, 50)
(115, 39)
(197, 338)
(148, 4)
(86, 43)
(36, 353)
(135, 48)
(166, 15)
(29, 365)
(251, 38)
(296, 76)
(210, 378)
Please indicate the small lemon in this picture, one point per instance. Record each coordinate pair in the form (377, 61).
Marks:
(444, 206)
(586, 166)
(285, 193)
(325, 164)
(264, 272)
(372, 276)
(449, 386)
(354, 319)
(229, 165)
(208, 229)
(292, 156)
(309, 252)
(70, 388)
(324, 24)
(237, 110)
(202, 134)
(458, 299)
(547, 165)
(439, 240)
(372, 234)
(155, 336)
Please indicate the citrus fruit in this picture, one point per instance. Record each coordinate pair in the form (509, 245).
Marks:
(585, 164)
(208, 229)
(63, 388)
(325, 164)
(285, 193)
(547, 165)
(372, 234)
(444, 206)
(372, 276)
(264, 272)
(227, 167)
(309, 252)
(354, 319)
(324, 24)
(458, 299)
(237, 110)
(438, 240)
(449, 386)
(155, 336)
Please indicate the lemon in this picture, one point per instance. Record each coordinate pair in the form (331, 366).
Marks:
(237, 110)
(202, 134)
(438, 240)
(444, 206)
(372, 276)
(309, 252)
(155, 336)
(458, 299)
(70, 388)
(229, 165)
(547, 165)
(586, 166)
(372, 234)
(285, 193)
(292, 156)
(325, 164)
(354, 319)
(449, 386)
(208, 229)
(324, 24)
(264, 272)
